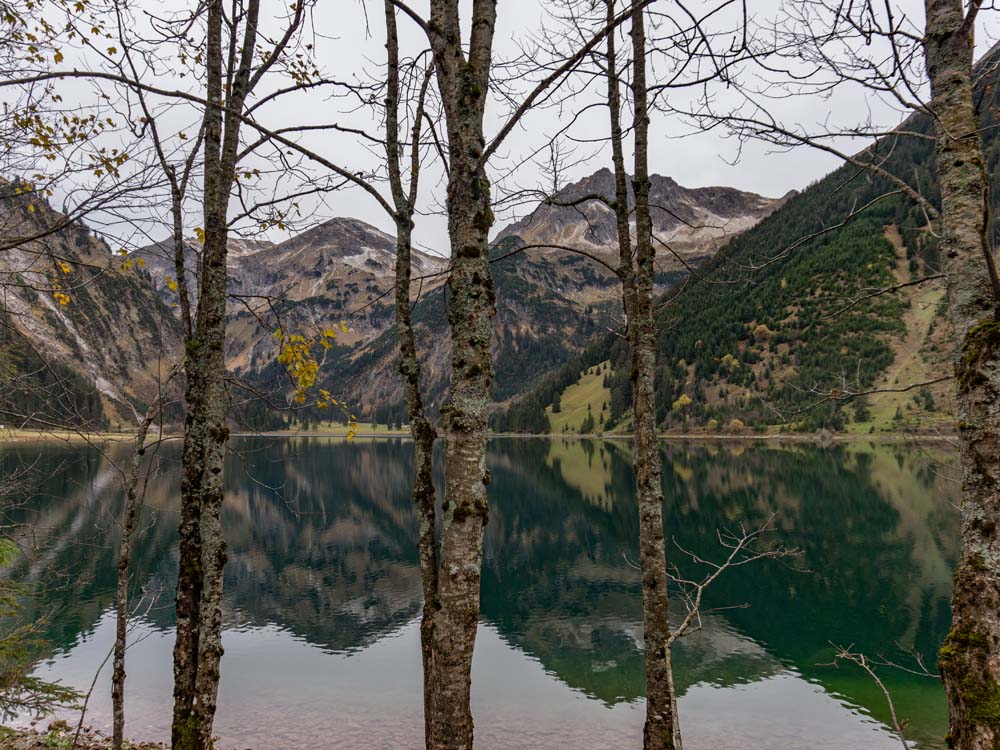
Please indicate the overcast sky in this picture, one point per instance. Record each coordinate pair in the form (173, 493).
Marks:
(693, 160)
(349, 42)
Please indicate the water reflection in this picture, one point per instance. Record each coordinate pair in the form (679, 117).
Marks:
(322, 591)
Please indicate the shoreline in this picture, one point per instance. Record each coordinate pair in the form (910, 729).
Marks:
(59, 734)
(27, 436)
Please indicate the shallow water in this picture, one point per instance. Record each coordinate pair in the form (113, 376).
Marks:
(323, 592)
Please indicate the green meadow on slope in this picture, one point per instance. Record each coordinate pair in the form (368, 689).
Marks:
(775, 330)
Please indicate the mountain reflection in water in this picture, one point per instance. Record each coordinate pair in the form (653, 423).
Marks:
(323, 592)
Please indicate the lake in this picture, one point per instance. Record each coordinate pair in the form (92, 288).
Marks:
(322, 592)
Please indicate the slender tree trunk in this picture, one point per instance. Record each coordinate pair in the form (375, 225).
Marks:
(198, 647)
(661, 729)
(463, 84)
(201, 550)
(421, 429)
(658, 732)
(121, 623)
(129, 513)
(176, 211)
(969, 661)
(424, 435)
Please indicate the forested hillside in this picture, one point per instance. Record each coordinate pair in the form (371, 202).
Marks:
(782, 322)
(552, 303)
(538, 327)
(84, 338)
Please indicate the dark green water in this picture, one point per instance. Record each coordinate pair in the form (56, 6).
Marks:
(323, 592)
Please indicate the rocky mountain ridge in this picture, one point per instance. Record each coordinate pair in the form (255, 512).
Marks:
(552, 302)
(85, 338)
(688, 223)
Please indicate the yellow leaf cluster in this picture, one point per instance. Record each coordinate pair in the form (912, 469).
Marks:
(296, 356)
(730, 362)
(681, 401)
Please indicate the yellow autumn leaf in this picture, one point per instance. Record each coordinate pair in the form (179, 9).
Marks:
(64, 266)
(62, 299)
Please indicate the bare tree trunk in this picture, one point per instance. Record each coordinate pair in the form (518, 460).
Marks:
(463, 84)
(129, 513)
(204, 445)
(471, 310)
(661, 729)
(421, 429)
(121, 622)
(658, 732)
(969, 661)
(198, 647)
(424, 435)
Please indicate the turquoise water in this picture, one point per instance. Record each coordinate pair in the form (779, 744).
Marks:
(323, 592)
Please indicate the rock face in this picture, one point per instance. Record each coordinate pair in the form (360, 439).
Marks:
(342, 258)
(340, 271)
(551, 302)
(87, 337)
(688, 223)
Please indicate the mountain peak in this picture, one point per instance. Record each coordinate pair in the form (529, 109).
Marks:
(694, 221)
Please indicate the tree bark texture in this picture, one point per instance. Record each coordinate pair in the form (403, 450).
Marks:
(129, 513)
(969, 661)
(422, 431)
(202, 548)
(463, 83)
(661, 728)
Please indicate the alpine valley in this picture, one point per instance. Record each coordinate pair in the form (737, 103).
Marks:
(552, 303)
(765, 317)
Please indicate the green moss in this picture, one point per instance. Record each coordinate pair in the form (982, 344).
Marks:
(977, 690)
(982, 698)
(186, 736)
(484, 220)
(190, 569)
(981, 342)
(958, 641)
(976, 563)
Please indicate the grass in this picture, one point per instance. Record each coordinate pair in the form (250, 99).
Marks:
(586, 396)
(364, 429)
(913, 362)
(66, 436)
